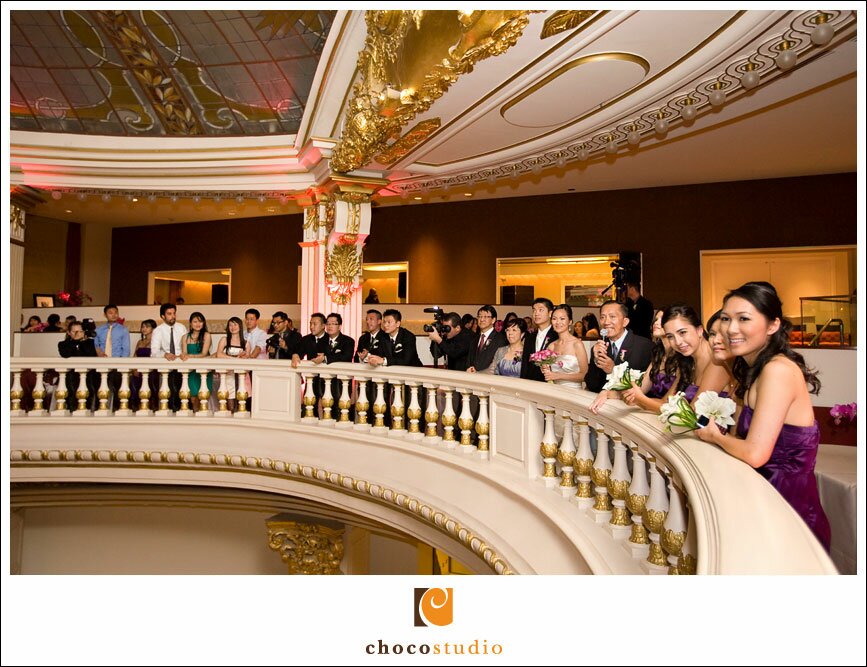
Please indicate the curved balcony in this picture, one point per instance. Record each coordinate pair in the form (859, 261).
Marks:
(500, 473)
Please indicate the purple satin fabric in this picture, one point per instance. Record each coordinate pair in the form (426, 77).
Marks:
(790, 470)
(661, 384)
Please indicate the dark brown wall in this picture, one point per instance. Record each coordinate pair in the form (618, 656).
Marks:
(452, 248)
(263, 254)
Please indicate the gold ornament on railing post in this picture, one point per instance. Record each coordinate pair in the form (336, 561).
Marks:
(362, 405)
(483, 426)
(38, 395)
(638, 492)
(144, 394)
(16, 394)
(344, 403)
(655, 511)
(431, 414)
(600, 473)
(103, 394)
(618, 484)
(413, 412)
(309, 399)
(566, 458)
(123, 394)
(584, 464)
(674, 528)
(60, 394)
(164, 392)
(449, 419)
(397, 409)
(379, 407)
(184, 394)
(223, 395)
(327, 401)
(548, 449)
(82, 394)
(686, 563)
(204, 394)
(466, 422)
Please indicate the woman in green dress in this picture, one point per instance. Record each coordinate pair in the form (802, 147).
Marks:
(196, 344)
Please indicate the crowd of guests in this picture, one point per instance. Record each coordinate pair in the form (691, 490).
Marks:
(742, 352)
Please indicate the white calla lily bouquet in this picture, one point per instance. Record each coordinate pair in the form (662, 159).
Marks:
(677, 412)
(622, 377)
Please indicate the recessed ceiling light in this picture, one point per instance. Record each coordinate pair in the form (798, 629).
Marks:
(417, 198)
(135, 198)
(68, 210)
(468, 194)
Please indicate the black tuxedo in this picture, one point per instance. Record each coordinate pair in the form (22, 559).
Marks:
(293, 346)
(375, 346)
(311, 347)
(402, 352)
(79, 348)
(529, 370)
(640, 317)
(634, 349)
(481, 359)
(457, 349)
(341, 350)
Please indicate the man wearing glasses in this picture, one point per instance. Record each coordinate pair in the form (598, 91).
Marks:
(284, 342)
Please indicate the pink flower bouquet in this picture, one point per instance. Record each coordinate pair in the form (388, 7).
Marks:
(545, 358)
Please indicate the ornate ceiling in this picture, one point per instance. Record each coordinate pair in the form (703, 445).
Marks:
(437, 105)
(170, 72)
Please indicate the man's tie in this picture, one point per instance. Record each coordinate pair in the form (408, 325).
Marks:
(481, 343)
(172, 340)
(612, 350)
(108, 341)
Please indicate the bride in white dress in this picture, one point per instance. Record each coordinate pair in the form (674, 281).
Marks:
(572, 363)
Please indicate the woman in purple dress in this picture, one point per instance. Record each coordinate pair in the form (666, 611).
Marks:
(777, 433)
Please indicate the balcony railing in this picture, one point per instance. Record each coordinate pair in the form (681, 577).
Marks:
(497, 464)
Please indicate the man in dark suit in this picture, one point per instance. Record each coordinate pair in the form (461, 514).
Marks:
(338, 347)
(640, 311)
(374, 340)
(545, 334)
(77, 344)
(285, 343)
(400, 350)
(455, 345)
(617, 345)
(486, 342)
(313, 349)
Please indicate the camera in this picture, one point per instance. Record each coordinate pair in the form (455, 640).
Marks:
(89, 327)
(624, 271)
(437, 325)
(273, 341)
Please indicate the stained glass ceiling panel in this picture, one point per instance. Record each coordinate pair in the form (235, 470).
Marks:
(170, 72)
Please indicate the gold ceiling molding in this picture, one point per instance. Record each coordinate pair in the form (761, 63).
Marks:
(409, 60)
(679, 108)
(307, 548)
(560, 71)
(565, 20)
(152, 73)
(413, 138)
(187, 460)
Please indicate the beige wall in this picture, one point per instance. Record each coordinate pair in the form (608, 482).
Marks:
(44, 258)
(96, 261)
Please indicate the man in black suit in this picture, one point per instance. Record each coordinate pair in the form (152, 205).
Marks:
(77, 344)
(338, 347)
(455, 345)
(617, 346)
(486, 342)
(313, 344)
(284, 344)
(400, 350)
(374, 340)
(545, 334)
(640, 311)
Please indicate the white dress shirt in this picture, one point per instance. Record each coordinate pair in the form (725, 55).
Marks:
(160, 340)
(540, 337)
(257, 338)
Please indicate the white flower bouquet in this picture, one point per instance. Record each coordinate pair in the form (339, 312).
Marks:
(678, 412)
(622, 377)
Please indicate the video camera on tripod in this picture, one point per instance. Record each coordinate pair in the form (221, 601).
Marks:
(437, 325)
(623, 271)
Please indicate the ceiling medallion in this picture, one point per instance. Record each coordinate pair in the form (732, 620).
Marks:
(409, 60)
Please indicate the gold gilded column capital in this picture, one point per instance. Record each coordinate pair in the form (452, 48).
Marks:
(307, 548)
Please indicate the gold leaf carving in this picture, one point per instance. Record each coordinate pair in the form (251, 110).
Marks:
(565, 20)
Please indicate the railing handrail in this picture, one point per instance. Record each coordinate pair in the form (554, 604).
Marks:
(706, 474)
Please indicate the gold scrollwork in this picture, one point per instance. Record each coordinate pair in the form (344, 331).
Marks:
(16, 221)
(564, 20)
(311, 217)
(342, 267)
(414, 137)
(409, 60)
(307, 548)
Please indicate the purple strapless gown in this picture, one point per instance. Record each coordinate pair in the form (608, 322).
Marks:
(790, 470)
(691, 390)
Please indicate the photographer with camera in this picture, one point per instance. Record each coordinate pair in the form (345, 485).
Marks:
(640, 311)
(283, 343)
(450, 339)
